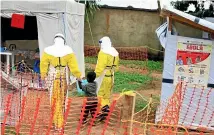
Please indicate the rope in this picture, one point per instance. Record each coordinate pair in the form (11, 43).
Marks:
(63, 19)
(140, 96)
(89, 25)
(147, 114)
(162, 125)
(154, 49)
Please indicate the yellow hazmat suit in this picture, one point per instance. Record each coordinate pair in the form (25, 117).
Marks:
(59, 65)
(107, 64)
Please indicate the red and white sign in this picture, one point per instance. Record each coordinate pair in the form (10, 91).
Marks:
(192, 63)
(18, 21)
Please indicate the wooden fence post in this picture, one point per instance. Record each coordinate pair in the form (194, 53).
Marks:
(128, 111)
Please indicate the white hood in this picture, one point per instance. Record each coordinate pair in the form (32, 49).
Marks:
(106, 46)
(58, 49)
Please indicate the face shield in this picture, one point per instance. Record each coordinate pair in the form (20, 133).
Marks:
(59, 38)
(105, 42)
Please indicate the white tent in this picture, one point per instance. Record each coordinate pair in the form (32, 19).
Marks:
(64, 16)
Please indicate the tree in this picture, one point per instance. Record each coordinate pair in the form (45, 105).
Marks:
(91, 7)
(200, 11)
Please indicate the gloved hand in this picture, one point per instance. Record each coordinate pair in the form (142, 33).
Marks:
(79, 79)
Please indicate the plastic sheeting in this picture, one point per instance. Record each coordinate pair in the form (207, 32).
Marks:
(65, 16)
(162, 33)
(168, 88)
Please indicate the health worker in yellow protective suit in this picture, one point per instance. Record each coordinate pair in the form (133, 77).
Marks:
(107, 64)
(54, 65)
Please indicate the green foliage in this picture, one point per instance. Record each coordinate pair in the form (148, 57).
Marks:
(123, 81)
(75, 94)
(199, 12)
(10, 131)
(91, 7)
(91, 60)
(140, 104)
(131, 81)
(183, 5)
(149, 65)
(128, 81)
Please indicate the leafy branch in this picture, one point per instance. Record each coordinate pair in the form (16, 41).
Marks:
(200, 11)
(91, 7)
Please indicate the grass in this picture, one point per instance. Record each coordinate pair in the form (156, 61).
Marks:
(125, 81)
(140, 104)
(130, 81)
(149, 65)
(10, 130)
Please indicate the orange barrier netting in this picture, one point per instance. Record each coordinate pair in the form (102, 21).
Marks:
(171, 114)
(126, 53)
(28, 109)
(190, 107)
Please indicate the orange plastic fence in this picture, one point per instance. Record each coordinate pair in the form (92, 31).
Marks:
(126, 53)
(172, 112)
(175, 112)
(28, 111)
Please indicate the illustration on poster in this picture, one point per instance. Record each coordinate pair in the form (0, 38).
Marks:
(179, 61)
(190, 79)
(198, 59)
(191, 70)
(181, 69)
(192, 63)
(201, 71)
(189, 60)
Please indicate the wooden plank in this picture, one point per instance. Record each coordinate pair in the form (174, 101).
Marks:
(185, 21)
(128, 111)
(170, 23)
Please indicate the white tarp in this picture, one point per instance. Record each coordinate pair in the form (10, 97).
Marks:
(162, 33)
(64, 16)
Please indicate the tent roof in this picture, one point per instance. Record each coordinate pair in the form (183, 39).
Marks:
(188, 19)
(33, 6)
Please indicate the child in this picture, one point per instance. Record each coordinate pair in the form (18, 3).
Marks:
(90, 92)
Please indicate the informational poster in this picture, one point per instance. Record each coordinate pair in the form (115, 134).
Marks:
(192, 63)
